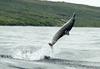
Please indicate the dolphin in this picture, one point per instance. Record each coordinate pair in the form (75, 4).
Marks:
(64, 30)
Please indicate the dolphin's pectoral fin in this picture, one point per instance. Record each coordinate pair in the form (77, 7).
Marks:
(66, 32)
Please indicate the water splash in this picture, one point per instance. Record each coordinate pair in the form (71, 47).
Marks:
(29, 54)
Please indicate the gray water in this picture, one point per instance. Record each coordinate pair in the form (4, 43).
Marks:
(23, 47)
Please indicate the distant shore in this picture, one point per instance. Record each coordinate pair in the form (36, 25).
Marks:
(46, 13)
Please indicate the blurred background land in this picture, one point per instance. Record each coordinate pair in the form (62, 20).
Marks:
(46, 13)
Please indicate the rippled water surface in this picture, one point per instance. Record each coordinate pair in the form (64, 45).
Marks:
(23, 47)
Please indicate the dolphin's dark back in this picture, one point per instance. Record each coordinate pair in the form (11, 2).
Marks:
(73, 21)
(68, 25)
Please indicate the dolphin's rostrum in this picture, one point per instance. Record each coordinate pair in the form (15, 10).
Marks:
(64, 30)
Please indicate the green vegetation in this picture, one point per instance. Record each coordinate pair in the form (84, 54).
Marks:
(46, 13)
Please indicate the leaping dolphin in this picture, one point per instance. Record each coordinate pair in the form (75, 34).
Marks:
(63, 30)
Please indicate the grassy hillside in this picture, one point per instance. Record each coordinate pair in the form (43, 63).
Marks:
(45, 13)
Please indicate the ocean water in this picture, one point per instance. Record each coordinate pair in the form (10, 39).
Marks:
(24, 47)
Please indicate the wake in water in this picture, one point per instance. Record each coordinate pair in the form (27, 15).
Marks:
(54, 61)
